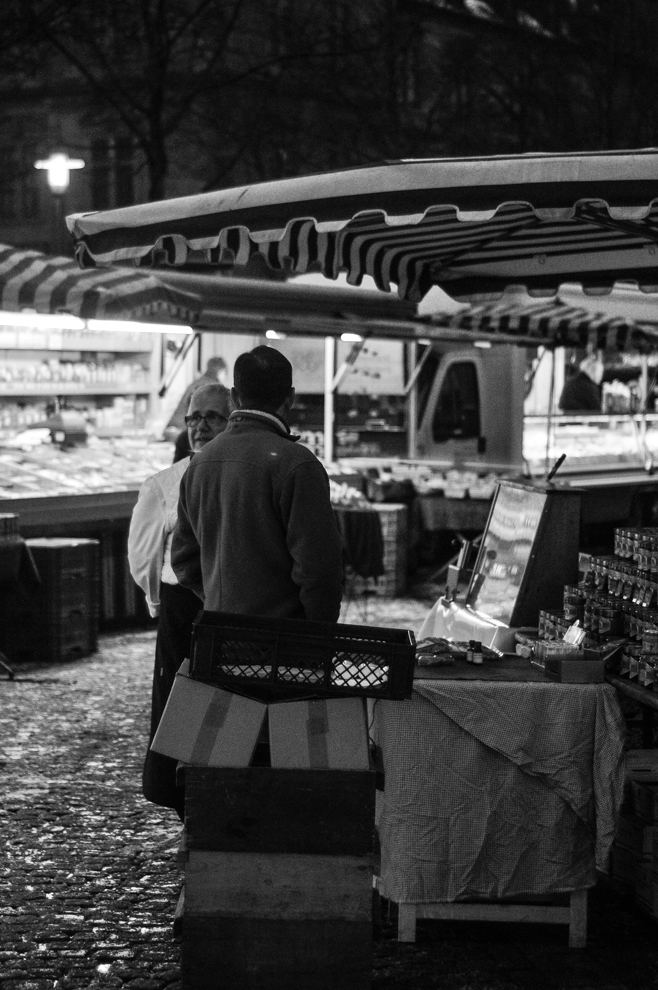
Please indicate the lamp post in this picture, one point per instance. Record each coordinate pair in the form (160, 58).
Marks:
(58, 168)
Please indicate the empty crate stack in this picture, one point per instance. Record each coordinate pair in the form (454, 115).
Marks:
(634, 855)
(58, 619)
(278, 857)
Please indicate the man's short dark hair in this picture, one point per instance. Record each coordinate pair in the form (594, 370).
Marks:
(262, 378)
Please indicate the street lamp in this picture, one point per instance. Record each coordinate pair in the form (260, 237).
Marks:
(58, 167)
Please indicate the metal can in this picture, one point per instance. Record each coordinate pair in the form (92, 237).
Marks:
(574, 603)
(650, 639)
(609, 621)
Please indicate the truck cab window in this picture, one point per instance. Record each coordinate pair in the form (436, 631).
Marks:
(457, 411)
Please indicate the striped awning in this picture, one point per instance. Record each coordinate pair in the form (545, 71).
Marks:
(472, 226)
(551, 323)
(30, 280)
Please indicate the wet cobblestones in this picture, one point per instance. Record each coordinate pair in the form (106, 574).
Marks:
(88, 873)
(88, 877)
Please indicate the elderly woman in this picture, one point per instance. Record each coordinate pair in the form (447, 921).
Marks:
(149, 556)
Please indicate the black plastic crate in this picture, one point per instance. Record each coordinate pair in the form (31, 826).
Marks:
(66, 557)
(275, 659)
(32, 642)
(70, 576)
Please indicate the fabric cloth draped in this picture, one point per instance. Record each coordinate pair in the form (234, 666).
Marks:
(497, 789)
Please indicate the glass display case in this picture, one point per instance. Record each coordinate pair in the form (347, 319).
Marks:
(591, 442)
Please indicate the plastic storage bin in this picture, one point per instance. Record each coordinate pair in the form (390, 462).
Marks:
(277, 659)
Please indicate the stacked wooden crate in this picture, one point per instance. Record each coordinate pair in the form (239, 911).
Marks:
(57, 620)
(279, 798)
(634, 855)
(395, 535)
(278, 878)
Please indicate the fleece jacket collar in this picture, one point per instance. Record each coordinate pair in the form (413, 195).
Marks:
(268, 418)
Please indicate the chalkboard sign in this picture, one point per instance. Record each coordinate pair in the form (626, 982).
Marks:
(529, 551)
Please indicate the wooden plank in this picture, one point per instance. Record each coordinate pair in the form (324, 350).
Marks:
(573, 914)
(269, 954)
(285, 886)
(181, 851)
(262, 809)
(179, 913)
(406, 923)
(578, 919)
(535, 913)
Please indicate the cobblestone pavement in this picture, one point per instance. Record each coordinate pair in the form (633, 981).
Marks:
(88, 876)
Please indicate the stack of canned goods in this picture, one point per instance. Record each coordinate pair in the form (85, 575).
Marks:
(620, 595)
(617, 600)
(552, 624)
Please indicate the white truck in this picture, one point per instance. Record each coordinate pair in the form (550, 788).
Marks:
(468, 417)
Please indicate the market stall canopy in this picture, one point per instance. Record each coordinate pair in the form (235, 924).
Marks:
(258, 298)
(30, 280)
(471, 225)
(285, 309)
(554, 323)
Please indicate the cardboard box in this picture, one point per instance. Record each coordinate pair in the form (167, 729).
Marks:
(207, 726)
(642, 764)
(634, 834)
(644, 893)
(623, 864)
(641, 768)
(644, 799)
(324, 734)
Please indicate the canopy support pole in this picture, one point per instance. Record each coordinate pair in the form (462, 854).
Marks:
(166, 383)
(329, 374)
(411, 392)
(332, 380)
(347, 363)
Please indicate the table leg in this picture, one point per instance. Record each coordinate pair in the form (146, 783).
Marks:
(406, 922)
(578, 919)
(6, 666)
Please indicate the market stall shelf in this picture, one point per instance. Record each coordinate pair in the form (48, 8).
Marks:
(501, 791)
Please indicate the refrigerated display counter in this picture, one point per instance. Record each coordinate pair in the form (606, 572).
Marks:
(85, 491)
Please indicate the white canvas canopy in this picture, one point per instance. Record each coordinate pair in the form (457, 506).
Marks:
(471, 225)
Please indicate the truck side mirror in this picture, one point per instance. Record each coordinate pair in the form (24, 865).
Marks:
(482, 445)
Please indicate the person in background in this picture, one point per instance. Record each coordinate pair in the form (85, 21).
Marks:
(256, 531)
(149, 558)
(216, 371)
(582, 390)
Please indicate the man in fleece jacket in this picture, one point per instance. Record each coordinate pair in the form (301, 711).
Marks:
(256, 533)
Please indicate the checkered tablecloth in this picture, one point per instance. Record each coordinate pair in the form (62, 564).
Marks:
(497, 789)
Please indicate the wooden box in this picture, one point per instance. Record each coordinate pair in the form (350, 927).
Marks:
(278, 879)
(276, 954)
(261, 809)
(574, 671)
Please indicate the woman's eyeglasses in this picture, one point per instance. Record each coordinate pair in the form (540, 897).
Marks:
(212, 419)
